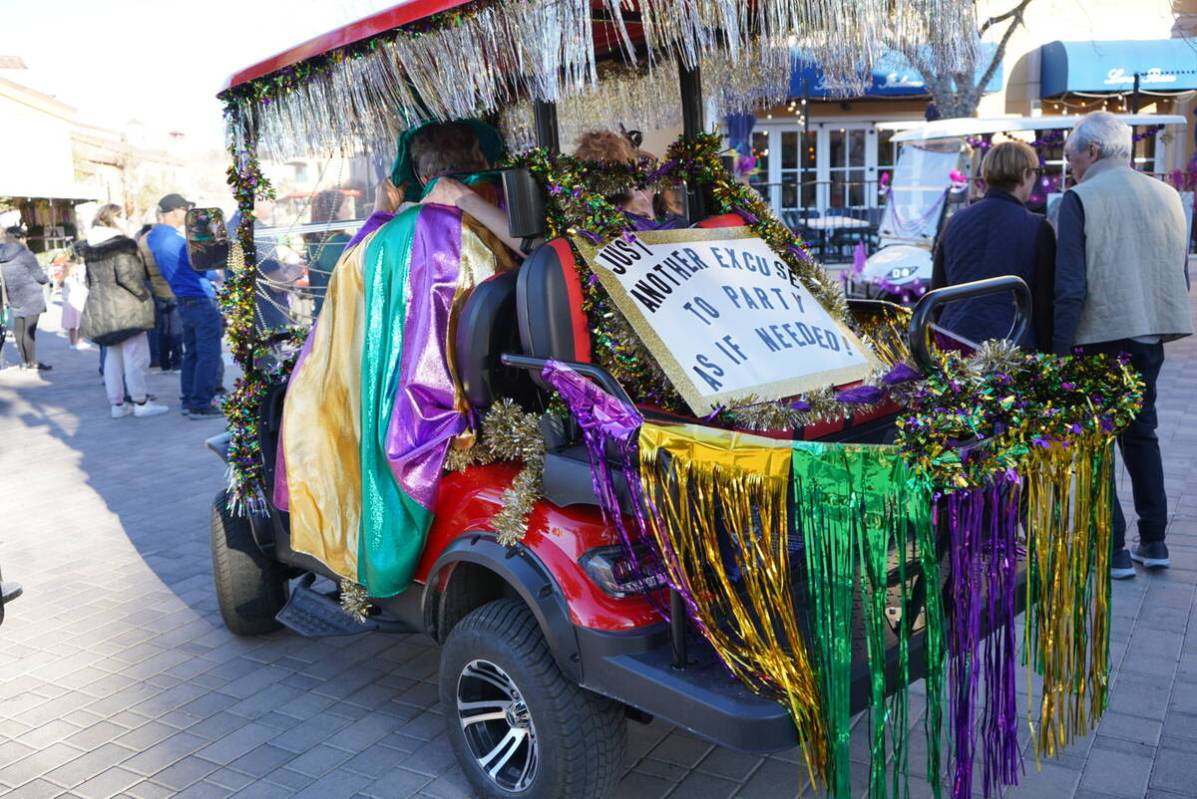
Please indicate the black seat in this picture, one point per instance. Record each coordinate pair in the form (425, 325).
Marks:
(486, 329)
(552, 322)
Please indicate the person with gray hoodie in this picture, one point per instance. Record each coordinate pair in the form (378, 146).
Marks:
(23, 278)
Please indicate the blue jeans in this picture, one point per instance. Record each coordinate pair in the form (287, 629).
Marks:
(201, 350)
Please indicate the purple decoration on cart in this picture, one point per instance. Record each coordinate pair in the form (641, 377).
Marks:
(982, 528)
(611, 426)
(861, 395)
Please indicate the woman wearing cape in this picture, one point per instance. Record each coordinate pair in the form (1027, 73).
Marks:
(373, 404)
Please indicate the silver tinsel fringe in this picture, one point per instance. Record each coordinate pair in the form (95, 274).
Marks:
(543, 50)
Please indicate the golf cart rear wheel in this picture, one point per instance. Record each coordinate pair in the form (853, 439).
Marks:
(518, 726)
(250, 587)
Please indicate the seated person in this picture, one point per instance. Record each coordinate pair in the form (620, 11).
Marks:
(646, 209)
(374, 404)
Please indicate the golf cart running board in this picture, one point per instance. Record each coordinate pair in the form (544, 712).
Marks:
(315, 615)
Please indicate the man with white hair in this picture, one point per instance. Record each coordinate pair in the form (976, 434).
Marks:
(1122, 286)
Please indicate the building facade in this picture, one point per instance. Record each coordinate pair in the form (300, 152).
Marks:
(819, 154)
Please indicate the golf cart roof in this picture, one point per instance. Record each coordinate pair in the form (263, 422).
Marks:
(606, 36)
(957, 128)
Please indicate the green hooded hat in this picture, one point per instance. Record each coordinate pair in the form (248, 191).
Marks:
(403, 173)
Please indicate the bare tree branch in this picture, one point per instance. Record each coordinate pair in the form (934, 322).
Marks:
(1014, 12)
(1000, 52)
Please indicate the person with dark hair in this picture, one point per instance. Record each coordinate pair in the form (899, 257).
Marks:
(325, 247)
(166, 339)
(999, 236)
(118, 312)
(23, 278)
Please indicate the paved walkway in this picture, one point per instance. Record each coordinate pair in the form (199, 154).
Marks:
(117, 676)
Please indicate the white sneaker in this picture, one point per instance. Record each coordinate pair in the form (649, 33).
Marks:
(83, 346)
(124, 409)
(149, 409)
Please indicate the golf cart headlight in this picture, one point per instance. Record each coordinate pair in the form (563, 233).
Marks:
(902, 272)
(613, 571)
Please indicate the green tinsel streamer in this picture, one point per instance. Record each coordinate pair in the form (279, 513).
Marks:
(874, 567)
(858, 513)
(828, 527)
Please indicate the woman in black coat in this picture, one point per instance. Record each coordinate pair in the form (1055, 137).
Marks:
(119, 312)
(999, 236)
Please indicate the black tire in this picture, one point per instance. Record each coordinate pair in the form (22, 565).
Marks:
(578, 737)
(250, 587)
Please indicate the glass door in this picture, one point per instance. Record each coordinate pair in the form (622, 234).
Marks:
(850, 170)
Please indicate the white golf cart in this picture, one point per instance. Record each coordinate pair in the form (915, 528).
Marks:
(937, 172)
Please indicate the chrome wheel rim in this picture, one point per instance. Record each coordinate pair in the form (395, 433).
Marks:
(497, 725)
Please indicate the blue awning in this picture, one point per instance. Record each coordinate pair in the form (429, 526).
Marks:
(893, 76)
(1168, 65)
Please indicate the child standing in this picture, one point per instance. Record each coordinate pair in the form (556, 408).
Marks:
(74, 296)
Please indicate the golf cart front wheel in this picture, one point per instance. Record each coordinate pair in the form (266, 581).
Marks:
(518, 726)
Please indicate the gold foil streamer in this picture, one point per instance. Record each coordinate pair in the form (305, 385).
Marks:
(884, 328)
(1069, 524)
(701, 484)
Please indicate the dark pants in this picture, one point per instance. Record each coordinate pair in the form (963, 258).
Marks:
(1140, 447)
(166, 339)
(24, 332)
(201, 350)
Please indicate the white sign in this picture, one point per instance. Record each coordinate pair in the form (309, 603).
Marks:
(724, 316)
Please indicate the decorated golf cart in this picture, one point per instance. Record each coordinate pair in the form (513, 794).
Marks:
(622, 473)
(938, 171)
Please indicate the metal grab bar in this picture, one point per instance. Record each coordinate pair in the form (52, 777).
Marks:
(595, 373)
(919, 334)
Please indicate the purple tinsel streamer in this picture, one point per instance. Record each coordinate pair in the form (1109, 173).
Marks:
(982, 527)
(608, 423)
(901, 373)
(861, 395)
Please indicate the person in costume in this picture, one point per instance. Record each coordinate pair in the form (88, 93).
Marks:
(645, 209)
(374, 404)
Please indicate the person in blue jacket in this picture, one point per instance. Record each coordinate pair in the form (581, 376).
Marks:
(198, 309)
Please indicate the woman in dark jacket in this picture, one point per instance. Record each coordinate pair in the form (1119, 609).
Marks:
(119, 311)
(999, 236)
(23, 278)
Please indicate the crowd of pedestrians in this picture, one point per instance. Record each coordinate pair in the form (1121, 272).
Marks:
(135, 296)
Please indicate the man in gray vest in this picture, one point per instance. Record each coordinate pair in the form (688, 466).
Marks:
(1122, 286)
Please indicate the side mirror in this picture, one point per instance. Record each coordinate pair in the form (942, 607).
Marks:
(525, 204)
(207, 239)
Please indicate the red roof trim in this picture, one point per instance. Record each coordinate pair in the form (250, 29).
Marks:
(401, 14)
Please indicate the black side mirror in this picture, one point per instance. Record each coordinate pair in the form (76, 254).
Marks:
(207, 239)
(525, 204)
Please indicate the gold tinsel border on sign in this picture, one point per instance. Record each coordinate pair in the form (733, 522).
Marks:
(508, 433)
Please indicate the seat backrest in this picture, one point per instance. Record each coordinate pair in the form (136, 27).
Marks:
(552, 321)
(486, 328)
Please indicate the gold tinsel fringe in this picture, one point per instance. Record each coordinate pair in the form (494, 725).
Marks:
(1069, 524)
(354, 601)
(884, 332)
(756, 631)
(508, 434)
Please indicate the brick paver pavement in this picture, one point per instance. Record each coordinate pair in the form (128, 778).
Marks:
(117, 676)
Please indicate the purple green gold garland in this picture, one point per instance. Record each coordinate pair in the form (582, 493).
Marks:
(1008, 401)
(238, 300)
